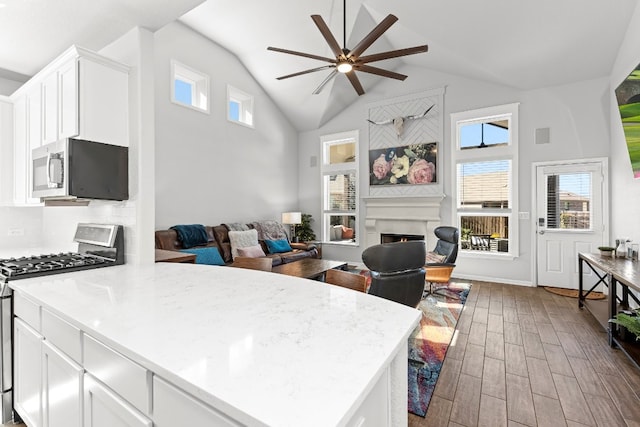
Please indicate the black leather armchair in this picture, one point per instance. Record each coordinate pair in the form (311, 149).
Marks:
(447, 247)
(447, 243)
(397, 271)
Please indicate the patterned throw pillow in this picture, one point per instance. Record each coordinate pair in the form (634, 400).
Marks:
(251, 252)
(278, 246)
(434, 258)
(209, 256)
(242, 239)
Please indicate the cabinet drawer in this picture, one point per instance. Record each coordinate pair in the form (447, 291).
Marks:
(122, 375)
(63, 335)
(27, 310)
(104, 408)
(172, 406)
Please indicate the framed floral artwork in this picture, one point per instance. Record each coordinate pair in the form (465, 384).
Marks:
(405, 165)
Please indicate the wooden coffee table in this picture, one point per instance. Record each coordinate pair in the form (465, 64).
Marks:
(309, 268)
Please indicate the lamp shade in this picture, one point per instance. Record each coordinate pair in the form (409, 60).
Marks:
(292, 217)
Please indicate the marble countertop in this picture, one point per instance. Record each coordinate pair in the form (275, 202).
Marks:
(262, 347)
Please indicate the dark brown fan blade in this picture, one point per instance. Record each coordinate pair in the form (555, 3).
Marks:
(325, 81)
(392, 54)
(312, 70)
(306, 55)
(355, 82)
(372, 36)
(380, 72)
(326, 33)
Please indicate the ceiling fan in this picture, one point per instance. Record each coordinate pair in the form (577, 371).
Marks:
(348, 61)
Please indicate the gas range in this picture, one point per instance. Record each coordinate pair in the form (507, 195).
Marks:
(99, 245)
(40, 265)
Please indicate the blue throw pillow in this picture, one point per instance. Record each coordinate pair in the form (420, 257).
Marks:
(278, 246)
(210, 256)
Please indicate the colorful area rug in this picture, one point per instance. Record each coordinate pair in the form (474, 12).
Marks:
(429, 341)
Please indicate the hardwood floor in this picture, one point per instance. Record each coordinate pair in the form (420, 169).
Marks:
(525, 357)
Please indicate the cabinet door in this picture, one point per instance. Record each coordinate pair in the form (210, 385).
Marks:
(27, 373)
(34, 117)
(172, 406)
(20, 144)
(62, 389)
(104, 103)
(104, 408)
(6, 152)
(68, 93)
(50, 108)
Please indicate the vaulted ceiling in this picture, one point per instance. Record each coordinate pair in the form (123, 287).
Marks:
(524, 45)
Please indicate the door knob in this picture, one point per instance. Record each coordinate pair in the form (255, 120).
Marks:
(541, 231)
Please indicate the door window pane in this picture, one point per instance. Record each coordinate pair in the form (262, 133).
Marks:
(569, 201)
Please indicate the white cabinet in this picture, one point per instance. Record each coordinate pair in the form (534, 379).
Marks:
(6, 151)
(60, 102)
(27, 110)
(80, 94)
(68, 99)
(103, 112)
(104, 408)
(27, 381)
(124, 376)
(173, 407)
(62, 389)
(49, 108)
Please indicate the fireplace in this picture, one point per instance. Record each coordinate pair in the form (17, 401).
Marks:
(394, 237)
(417, 216)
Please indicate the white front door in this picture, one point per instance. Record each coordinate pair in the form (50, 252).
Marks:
(569, 218)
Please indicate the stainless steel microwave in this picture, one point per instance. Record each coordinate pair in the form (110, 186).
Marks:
(78, 169)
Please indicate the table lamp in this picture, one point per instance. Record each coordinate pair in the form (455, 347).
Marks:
(292, 218)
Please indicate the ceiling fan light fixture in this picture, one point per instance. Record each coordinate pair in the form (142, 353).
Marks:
(344, 67)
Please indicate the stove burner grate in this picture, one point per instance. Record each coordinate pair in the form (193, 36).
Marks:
(49, 264)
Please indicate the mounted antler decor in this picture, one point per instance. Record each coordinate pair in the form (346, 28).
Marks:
(398, 122)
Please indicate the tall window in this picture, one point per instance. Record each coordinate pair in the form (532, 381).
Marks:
(340, 187)
(485, 157)
(239, 106)
(189, 88)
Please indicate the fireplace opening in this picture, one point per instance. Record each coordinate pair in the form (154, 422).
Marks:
(391, 237)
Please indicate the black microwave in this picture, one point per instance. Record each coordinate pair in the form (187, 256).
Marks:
(78, 169)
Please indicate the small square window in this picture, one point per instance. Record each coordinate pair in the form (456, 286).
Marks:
(189, 87)
(239, 106)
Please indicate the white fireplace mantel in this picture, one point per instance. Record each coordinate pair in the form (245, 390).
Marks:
(402, 215)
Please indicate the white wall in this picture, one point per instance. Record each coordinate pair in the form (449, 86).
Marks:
(209, 170)
(8, 86)
(27, 219)
(577, 115)
(625, 190)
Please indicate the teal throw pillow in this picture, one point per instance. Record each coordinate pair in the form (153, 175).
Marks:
(210, 256)
(278, 246)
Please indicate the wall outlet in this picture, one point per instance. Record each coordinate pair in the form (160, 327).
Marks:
(523, 215)
(15, 232)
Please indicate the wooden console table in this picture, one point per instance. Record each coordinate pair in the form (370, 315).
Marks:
(174, 256)
(611, 272)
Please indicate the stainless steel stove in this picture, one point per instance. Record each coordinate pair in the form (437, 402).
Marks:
(99, 245)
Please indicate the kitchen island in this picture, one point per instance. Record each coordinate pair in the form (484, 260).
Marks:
(185, 344)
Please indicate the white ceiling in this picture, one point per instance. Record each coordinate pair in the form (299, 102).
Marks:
(522, 44)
